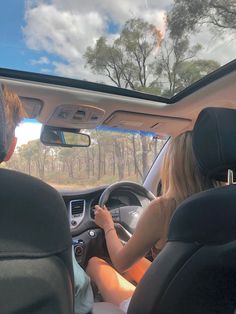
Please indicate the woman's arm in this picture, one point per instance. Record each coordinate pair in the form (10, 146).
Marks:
(148, 231)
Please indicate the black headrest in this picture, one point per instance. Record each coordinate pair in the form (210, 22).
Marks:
(214, 137)
(3, 147)
(208, 217)
(34, 220)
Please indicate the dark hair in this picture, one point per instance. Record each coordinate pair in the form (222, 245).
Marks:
(14, 112)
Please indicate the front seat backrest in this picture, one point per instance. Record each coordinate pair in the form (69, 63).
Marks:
(36, 275)
(196, 271)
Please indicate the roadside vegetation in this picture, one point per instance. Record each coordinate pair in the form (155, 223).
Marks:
(111, 157)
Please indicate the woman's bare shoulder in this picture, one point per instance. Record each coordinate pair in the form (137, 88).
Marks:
(155, 216)
(162, 205)
(162, 202)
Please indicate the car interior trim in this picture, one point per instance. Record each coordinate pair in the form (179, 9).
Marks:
(75, 219)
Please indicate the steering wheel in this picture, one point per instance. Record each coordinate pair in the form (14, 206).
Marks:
(88, 238)
(126, 216)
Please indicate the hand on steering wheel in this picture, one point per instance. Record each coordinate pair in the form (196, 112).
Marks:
(127, 216)
(103, 218)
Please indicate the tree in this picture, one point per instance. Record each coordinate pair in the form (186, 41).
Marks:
(106, 60)
(112, 156)
(186, 15)
(192, 71)
(136, 167)
(127, 62)
(119, 150)
(138, 40)
(68, 157)
(174, 52)
(25, 153)
(40, 153)
(144, 141)
(34, 153)
(141, 60)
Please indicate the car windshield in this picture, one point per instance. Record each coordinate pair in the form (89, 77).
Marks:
(156, 47)
(113, 155)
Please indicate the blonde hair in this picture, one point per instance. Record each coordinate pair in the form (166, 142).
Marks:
(14, 112)
(180, 175)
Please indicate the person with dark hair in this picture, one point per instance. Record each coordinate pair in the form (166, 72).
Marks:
(14, 113)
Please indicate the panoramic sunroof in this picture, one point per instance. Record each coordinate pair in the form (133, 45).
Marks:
(155, 47)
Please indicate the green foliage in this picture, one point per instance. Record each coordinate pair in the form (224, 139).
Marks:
(192, 71)
(126, 62)
(137, 59)
(174, 52)
(107, 60)
(138, 39)
(187, 15)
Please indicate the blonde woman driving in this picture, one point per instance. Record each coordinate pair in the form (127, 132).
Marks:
(180, 179)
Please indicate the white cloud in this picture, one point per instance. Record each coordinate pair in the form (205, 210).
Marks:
(118, 11)
(42, 60)
(216, 45)
(46, 71)
(67, 27)
(61, 32)
(78, 71)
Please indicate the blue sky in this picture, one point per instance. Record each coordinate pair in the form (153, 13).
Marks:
(14, 52)
(29, 32)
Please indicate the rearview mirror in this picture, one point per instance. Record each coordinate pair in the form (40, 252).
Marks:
(55, 136)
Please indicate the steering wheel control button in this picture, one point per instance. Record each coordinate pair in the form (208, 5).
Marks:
(115, 215)
(92, 233)
(115, 218)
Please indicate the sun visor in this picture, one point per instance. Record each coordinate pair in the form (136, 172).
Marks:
(32, 106)
(145, 122)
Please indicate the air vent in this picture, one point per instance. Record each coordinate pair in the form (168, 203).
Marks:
(77, 208)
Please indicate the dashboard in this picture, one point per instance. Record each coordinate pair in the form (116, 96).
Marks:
(87, 238)
(82, 205)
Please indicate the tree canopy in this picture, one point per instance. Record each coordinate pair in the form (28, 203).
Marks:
(140, 59)
(126, 61)
(188, 15)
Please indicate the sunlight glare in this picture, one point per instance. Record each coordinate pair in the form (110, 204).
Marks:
(27, 131)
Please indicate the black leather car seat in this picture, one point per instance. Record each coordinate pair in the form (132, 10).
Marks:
(36, 275)
(196, 271)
